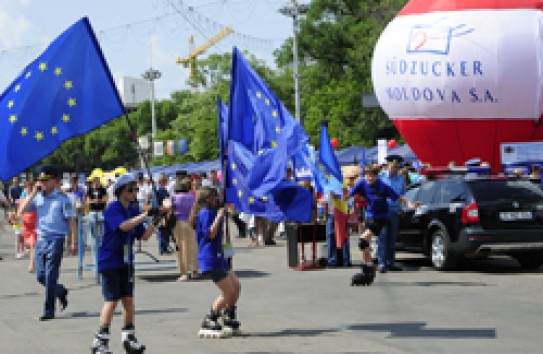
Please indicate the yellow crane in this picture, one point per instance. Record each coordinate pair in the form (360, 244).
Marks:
(195, 52)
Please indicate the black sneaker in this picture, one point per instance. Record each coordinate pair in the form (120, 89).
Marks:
(63, 299)
(395, 268)
(46, 318)
(270, 243)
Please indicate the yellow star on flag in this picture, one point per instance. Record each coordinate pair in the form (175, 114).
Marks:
(43, 66)
(274, 113)
(28, 74)
(39, 136)
(264, 198)
(258, 94)
(233, 165)
(24, 131)
(267, 101)
(240, 193)
(277, 129)
(68, 84)
(58, 71)
(17, 88)
(65, 118)
(13, 118)
(53, 130)
(10, 104)
(274, 144)
(71, 102)
(234, 181)
(251, 200)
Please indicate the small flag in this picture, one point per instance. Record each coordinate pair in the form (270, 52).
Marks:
(158, 148)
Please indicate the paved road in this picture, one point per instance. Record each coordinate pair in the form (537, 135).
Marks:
(486, 307)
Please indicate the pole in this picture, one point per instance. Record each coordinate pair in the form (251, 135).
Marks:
(296, 72)
(153, 117)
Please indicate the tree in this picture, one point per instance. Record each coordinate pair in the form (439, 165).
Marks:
(336, 41)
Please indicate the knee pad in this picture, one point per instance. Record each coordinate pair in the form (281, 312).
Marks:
(363, 244)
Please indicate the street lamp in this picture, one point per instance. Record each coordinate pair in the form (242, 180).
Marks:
(294, 10)
(151, 75)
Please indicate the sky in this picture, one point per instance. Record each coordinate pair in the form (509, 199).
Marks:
(135, 34)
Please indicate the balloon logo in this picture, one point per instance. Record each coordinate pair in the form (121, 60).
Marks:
(392, 143)
(334, 142)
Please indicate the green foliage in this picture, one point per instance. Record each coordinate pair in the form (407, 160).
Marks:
(336, 41)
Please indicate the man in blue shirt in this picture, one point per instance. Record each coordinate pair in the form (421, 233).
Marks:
(376, 193)
(55, 219)
(387, 238)
(123, 223)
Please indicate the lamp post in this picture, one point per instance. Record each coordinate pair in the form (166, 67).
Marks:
(294, 10)
(151, 75)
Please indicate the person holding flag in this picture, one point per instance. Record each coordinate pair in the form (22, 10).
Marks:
(376, 193)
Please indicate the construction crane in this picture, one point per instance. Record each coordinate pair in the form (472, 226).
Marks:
(195, 52)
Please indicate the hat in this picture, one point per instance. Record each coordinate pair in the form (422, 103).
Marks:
(394, 160)
(45, 172)
(123, 181)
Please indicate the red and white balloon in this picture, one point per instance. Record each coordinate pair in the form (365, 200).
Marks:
(460, 77)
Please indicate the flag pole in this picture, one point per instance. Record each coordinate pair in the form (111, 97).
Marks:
(145, 160)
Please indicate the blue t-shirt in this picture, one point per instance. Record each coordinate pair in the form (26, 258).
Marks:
(53, 212)
(396, 182)
(116, 249)
(210, 254)
(376, 195)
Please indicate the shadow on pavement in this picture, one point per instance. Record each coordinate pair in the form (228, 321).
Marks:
(85, 314)
(292, 332)
(419, 330)
(172, 277)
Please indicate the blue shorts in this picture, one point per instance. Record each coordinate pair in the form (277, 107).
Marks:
(118, 283)
(216, 274)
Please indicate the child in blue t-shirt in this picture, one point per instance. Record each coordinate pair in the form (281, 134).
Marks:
(123, 223)
(206, 219)
(375, 193)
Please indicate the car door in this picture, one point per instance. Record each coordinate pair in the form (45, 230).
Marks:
(406, 233)
(415, 221)
(450, 199)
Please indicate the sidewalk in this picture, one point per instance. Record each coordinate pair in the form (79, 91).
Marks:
(281, 309)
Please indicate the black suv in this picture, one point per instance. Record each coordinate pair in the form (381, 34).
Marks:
(474, 217)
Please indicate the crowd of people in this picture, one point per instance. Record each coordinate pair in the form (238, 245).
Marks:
(186, 213)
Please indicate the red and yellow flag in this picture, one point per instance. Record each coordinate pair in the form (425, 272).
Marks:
(341, 212)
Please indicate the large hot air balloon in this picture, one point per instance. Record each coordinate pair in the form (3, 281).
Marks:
(459, 77)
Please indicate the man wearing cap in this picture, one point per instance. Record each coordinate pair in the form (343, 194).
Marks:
(123, 224)
(55, 219)
(386, 242)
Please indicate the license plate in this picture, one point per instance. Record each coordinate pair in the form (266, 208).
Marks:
(515, 215)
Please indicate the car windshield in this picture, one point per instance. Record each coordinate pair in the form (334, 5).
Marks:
(489, 190)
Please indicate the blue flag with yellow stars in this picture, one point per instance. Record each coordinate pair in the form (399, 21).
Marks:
(67, 91)
(259, 121)
(222, 114)
(328, 177)
(286, 201)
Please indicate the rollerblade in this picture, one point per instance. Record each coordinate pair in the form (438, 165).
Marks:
(366, 277)
(130, 342)
(230, 323)
(211, 327)
(100, 344)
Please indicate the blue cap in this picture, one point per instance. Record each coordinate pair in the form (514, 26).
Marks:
(123, 180)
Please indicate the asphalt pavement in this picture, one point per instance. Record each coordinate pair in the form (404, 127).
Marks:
(485, 307)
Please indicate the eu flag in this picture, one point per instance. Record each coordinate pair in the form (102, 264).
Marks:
(67, 91)
(286, 201)
(259, 121)
(328, 175)
(222, 114)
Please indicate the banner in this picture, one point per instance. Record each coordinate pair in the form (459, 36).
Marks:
(183, 146)
(158, 148)
(170, 147)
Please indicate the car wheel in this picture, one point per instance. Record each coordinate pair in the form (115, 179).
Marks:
(439, 252)
(530, 260)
